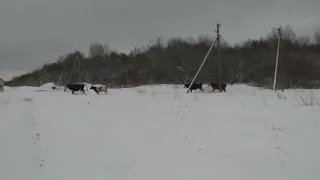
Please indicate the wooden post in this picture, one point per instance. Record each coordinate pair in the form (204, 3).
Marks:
(59, 79)
(277, 59)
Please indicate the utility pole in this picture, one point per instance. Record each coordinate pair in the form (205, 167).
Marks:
(79, 67)
(204, 60)
(219, 61)
(277, 60)
(76, 65)
(217, 40)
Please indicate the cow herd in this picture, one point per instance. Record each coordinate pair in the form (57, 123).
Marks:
(103, 88)
(80, 87)
(214, 86)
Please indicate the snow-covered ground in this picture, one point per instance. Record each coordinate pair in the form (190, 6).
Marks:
(159, 133)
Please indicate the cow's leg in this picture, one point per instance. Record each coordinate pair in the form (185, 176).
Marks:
(72, 91)
(95, 90)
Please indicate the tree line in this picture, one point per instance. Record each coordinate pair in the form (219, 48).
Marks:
(177, 60)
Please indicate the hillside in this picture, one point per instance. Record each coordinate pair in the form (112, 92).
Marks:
(159, 132)
(177, 60)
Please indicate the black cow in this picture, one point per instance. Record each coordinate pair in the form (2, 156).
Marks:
(194, 86)
(98, 89)
(75, 87)
(216, 86)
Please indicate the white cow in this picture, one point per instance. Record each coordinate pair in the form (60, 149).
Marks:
(99, 88)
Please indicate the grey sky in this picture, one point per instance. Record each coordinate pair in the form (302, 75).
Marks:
(33, 32)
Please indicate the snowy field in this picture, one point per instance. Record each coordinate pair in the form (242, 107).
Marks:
(159, 133)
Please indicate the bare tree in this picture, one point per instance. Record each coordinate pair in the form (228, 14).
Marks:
(303, 40)
(316, 36)
(106, 49)
(96, 49)
(288, 35)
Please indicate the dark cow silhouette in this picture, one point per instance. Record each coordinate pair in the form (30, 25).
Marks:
(75, 87)
(98, 89)
(216, 86)
(194, 86)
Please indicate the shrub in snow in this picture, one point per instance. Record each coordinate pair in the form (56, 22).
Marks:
(175, 86)
(281, 96)
(153, 93)
(28, 99)
(176, 94)
(141, 90)
(311, 101)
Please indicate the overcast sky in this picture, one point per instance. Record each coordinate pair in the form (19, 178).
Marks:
(33, 32)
